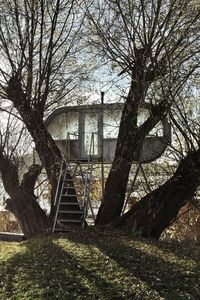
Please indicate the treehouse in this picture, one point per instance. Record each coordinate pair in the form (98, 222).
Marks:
(85, 130)
(86, 135)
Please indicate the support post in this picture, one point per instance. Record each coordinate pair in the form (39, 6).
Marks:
(102, 152)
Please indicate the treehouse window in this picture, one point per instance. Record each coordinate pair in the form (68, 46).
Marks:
(72, 125)
(111, 120)
(63, 124)
(91, 129)
(57, 127)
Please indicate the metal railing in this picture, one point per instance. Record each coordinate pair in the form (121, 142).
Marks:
(86, 197)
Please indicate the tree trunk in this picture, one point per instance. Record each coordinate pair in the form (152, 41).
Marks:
(23, 203)
(127, 149)
(32, 116)
(32, 219)
(155, 212)
(115, 190)
(129, 143)
(45, 146)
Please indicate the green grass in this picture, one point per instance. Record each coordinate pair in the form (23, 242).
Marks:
(89, 265)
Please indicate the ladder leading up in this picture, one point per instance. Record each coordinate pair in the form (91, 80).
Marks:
(72, 206)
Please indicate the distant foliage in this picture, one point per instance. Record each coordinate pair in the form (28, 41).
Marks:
(8, 223)
(187, 225)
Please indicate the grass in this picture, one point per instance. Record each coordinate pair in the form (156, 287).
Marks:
(89, 265)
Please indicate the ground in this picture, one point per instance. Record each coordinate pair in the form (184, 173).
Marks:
(97, 265)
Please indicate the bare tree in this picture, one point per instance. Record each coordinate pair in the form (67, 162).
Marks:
(159, 209)
(38, 48)
(156, 44)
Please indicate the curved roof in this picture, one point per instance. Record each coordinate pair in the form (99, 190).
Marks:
(79, 108)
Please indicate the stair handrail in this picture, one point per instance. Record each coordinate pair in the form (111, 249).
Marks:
(61, 167)
(59, 180)
(57, 191)
(64, 162)
(86, 198)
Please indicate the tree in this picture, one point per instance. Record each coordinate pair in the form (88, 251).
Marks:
(23, 201)
(156, 44)
(159, 209)
(38, 43)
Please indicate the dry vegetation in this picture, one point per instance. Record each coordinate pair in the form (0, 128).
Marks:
(8, 223)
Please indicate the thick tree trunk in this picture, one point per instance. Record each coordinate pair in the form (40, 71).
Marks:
(157, 210)
(127, 149)
(32, 219)
(32, 116)
(45, 146)
(115, 190)
(129, 143)
(23, 203)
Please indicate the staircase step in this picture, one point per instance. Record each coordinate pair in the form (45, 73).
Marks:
(69, 203)
(69, 195)
(69, 187)
(62, 230)
(68, 180)
(71, 211)
(70, 220)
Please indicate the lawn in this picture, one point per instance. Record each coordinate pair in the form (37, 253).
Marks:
(89, 265)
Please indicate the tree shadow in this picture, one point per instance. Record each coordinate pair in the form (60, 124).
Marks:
(166, 276)
(47, 271)
(92, 266)
(181, 249)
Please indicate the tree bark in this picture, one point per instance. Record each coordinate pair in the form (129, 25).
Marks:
(129, 143)
(32, 219)
(45, 146)
(157, 210)
(115, 190)
(23, 203)
(128, 146)
(49, 153)
(32, 116)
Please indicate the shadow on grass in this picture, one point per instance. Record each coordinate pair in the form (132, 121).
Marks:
(95, 266)
(169, 277)
(47, 271)
(182, 249)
